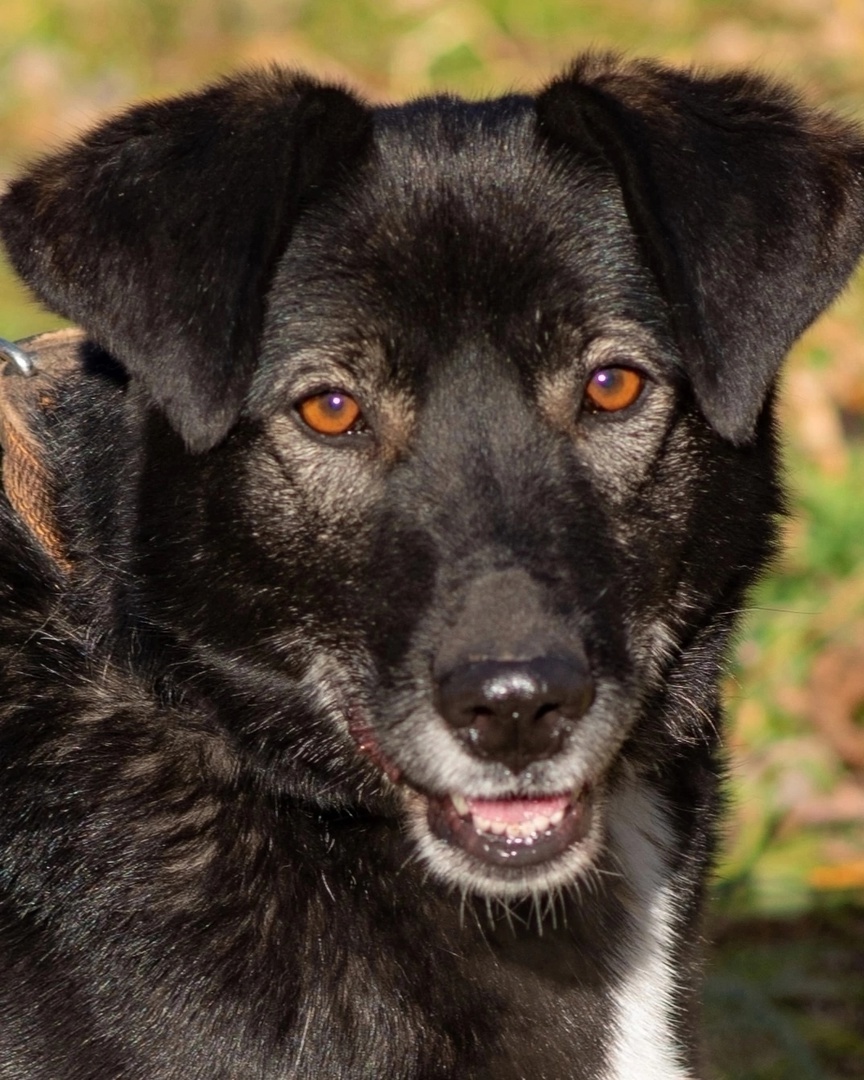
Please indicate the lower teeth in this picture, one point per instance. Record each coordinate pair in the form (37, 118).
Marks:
(526, 830)
(522, 830)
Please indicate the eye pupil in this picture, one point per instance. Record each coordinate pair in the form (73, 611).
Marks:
(612, 389)
(330, 413)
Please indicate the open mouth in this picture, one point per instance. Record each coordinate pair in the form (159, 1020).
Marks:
(520, 831)
(511, 831)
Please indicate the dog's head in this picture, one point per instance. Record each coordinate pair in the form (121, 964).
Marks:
(476, 407)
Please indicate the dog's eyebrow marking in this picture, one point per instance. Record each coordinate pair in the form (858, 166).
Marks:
(618, 342)
(291, 373)
(356, 368)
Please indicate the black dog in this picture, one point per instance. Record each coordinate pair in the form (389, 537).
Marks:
(363, 611)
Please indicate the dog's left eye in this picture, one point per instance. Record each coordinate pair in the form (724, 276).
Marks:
(331, 413)
(611, 389)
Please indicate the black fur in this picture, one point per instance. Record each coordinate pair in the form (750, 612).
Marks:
(222, 741)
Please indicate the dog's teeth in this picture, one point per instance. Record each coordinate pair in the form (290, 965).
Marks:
(527, 830)
(461, 805)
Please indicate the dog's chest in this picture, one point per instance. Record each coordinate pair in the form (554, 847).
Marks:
(593, 996)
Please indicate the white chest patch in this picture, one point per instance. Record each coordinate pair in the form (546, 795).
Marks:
(643, 1047)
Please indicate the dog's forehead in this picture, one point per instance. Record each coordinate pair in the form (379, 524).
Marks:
(474, 191)
(463, 225)
(423, 143)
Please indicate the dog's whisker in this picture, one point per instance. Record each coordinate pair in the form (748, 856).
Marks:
(490, 920)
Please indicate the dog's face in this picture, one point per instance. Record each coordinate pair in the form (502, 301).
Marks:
(474, 404)
(483, 457)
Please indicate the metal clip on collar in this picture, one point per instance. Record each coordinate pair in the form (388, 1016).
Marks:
(22, 361)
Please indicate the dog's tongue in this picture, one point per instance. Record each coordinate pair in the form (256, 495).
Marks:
(517, 811)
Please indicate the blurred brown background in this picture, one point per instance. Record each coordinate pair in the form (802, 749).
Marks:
(786, 992)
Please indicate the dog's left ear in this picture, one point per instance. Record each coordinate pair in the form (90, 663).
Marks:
(159, 231)
(749, 207)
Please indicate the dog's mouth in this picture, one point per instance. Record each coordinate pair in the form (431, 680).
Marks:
(514, 832)
(518, 831)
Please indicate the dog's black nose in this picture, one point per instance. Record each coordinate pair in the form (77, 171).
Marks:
(515, 711)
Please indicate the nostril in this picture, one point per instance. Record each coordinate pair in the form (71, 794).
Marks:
(515, 711)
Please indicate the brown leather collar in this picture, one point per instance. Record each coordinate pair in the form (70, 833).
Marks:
(27, 399)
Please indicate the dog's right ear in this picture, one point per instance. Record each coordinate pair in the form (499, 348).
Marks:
(158, 232)
(749, 207)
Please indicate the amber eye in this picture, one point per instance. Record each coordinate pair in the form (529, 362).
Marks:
(331, 413)
(611, 389)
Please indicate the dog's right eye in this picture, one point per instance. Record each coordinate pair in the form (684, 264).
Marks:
(331, 413)
(612, 389)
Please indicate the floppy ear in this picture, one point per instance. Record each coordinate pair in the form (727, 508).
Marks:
(749, 207)
(158, 232)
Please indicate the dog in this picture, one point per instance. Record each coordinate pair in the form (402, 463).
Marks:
(369, 561)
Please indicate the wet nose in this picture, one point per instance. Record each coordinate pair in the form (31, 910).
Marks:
(515, 711)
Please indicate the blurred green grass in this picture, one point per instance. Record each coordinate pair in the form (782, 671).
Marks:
(786, 993)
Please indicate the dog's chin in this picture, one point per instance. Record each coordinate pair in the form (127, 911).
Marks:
(507, 848)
